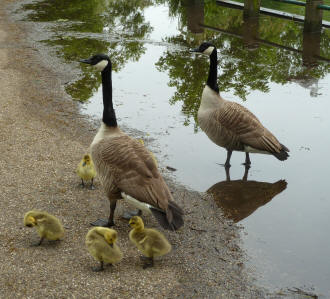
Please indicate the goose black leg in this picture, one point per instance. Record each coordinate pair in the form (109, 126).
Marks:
(110, 222)
(227, 163)
(82, 183)
(227, 174)
(247, 159)
(128, 215)
(246, 172)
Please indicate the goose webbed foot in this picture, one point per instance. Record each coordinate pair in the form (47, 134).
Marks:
(130, 214)
(103, 223)
(98, 269)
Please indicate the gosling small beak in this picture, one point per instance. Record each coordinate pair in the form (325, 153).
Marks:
(29, 225)
(88, 61)
(194, 50)
(84, 163)
(111, 245)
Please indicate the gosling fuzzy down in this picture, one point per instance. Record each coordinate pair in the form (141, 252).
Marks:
(86, 170)
(100, 242)
(150, 242)
(48, 226)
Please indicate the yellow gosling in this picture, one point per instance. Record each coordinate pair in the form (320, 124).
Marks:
(101, 244)
(86, 170)
(47, 225)
(150, 242)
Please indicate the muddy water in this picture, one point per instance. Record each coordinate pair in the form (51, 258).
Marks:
(283, 207)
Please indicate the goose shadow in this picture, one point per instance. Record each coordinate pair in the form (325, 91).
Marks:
(238, 199)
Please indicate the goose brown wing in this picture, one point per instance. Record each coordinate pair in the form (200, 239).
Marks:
(134, 170)
(245, 127)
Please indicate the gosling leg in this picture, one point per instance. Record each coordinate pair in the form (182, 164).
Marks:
(148, 262)
(92, 186)
(99, 269)
(82, 183)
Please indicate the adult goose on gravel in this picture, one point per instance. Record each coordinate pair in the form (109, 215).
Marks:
(230, 125)
(125, 167)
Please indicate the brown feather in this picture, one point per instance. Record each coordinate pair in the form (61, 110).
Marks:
(132, 170)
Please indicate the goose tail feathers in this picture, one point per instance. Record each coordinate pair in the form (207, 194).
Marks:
(283, 154)
(172, 219)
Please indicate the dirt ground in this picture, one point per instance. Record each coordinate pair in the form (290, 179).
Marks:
(43, 137)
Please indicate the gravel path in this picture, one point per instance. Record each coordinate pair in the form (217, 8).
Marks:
(43, 137)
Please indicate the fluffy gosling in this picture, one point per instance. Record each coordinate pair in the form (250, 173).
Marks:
(100, 242)
(86, 170)
(47, 225)
(149, 241)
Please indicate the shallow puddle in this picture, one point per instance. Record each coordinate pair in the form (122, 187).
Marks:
(283, 206)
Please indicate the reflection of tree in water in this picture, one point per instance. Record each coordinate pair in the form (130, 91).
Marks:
(241, 70)
(238, 199)
(112, 18)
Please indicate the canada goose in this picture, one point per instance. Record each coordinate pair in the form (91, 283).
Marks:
(150, 242)
(230, 125)
(238, 199)
(47, 225)
(101, 244)
(86, 170)
(124, 166)
(151, 153)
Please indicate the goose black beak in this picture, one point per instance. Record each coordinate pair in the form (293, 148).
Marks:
(194, 50)
(111, 245)
(88, 61)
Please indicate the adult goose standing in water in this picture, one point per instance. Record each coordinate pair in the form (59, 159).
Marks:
(126, 169)
(229, 124)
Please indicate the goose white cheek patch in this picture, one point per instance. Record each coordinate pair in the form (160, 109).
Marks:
(101, 65)
(208, 51)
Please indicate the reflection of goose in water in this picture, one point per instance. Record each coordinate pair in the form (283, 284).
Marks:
(240, 198)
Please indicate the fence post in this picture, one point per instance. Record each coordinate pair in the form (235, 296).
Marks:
(251, 8)
(313, 16)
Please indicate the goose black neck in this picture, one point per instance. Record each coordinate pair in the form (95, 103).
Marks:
(212, 79)
(109, 116)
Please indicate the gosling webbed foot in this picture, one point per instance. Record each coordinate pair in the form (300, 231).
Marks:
(82, 185)
(92, 187)
(98, 269)
(148, 262)
(103, 223)
(37, 244)
(130, 214)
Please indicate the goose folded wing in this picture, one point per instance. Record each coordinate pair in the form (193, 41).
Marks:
(245, 127)
(135, 171)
